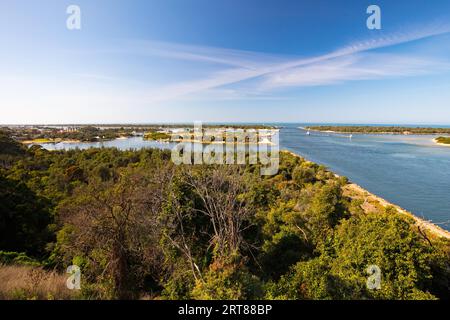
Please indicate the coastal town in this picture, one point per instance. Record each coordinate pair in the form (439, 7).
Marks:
(45, 134)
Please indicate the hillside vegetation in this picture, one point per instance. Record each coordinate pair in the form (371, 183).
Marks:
(444, 140)
(10, 150)
(140, 227)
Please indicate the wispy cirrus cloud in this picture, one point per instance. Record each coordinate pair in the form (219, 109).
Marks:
(229, 74)
(269, 71)
(352, 68)
(222, 56)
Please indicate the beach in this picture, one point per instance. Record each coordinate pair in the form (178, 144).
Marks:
(440, 143)
(372, 203)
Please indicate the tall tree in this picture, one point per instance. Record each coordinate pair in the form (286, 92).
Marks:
(113, 227)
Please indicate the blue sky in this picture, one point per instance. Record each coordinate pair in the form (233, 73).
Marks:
(225, 61)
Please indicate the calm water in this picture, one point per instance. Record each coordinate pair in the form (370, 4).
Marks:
(410, 171)
(122, 144)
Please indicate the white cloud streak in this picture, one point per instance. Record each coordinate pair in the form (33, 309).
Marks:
(353, 67)
(348, 63)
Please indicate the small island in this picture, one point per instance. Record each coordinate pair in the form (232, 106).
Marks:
(442, 140)
(213, 134)
(155, 135)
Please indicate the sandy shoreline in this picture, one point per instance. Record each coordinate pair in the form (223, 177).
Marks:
(421, 223)
(355, 191)
(440, 143)
(27, 142)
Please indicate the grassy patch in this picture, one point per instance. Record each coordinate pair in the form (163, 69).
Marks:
(445, 140)
(156, 136)
(33, 283)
